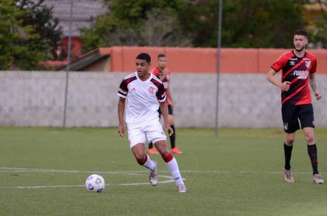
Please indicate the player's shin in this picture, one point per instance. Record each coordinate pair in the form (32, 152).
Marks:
(312, 151)
(172, 137)
(173, 168)
(149, 163)
(288, 148)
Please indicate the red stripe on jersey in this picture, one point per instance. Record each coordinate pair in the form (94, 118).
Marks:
(294, 93)
(291, 70)
(294, 81)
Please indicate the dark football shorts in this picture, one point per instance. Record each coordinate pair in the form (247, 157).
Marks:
(295, 117)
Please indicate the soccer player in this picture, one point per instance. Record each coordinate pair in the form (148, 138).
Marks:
(298, 71)
(163, 74)
(140, 96)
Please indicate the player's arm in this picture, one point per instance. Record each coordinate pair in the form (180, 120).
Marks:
(169, 94)
(162, 99)
(284, 86)
(165, 114)
(313, 83)
(121, 109)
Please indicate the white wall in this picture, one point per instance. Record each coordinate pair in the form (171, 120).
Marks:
(248, 100)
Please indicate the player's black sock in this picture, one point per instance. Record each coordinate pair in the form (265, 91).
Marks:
(150, 145)
(312, 151)
(172, 137)
(288, 154)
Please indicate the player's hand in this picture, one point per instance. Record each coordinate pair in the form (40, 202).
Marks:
(317, 95)
(121, 130)
(169, 130)
(285, 86)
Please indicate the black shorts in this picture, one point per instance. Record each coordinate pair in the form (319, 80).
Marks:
(170, 110)
(295, 117)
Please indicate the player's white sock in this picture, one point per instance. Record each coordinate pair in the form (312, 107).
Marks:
(150, 164)
(173, 167)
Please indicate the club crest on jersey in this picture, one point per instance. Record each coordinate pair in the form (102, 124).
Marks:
(292, 63)
(308, 64)
(152, 90)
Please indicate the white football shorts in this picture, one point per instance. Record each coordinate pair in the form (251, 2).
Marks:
(145, 132)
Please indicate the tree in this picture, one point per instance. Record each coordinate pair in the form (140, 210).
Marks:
(25, 34)
(256, 23)
(45, 24)
(144, 22)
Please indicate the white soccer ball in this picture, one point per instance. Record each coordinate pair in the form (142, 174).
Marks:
(95, 183)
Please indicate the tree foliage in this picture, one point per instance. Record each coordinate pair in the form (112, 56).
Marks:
(256, 23)
(28, 34)
(143, 22)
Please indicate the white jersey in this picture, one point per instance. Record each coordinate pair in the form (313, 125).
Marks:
(142, 98)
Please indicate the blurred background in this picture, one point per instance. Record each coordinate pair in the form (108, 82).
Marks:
(61, 61)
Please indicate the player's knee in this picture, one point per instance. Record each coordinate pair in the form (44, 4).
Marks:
(141, 158)
(167, 156)
(309, 138)
(290, 140)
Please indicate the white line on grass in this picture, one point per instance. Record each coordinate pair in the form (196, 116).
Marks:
(133, 172)
(79, 186)
(42, 170)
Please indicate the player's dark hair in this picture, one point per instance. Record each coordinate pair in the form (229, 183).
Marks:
(161, 55)
(301, 32)
(144, 56)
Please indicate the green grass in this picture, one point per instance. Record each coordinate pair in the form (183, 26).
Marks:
(238, 173)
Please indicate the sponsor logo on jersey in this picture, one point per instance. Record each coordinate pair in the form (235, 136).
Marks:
(301, 74)
(308, 64)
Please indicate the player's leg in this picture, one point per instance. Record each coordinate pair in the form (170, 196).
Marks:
(288, 148)
(155, 133)
(291, 124)
(144, 160)
(151, 149)
(172, 164)
(306, 119)
(172, 136)
(137, 139)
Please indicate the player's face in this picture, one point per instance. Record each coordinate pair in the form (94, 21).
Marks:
(162, 62)
(300, 42)
(142, 67)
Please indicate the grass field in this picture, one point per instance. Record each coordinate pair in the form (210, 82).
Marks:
(238, 173)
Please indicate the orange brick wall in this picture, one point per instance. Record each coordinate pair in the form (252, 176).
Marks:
(203, 60)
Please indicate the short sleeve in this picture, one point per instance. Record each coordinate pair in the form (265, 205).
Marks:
(123, 89)
(313, 66)
(279, 63)
(161, 93)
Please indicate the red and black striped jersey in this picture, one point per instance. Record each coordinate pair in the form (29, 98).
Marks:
(296, 70)
(165, 77)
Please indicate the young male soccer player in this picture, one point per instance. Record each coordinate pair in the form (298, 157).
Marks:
(140, 96)
(298, 70)
(164, 75)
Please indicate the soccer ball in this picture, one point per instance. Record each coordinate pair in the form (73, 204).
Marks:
(95, 183)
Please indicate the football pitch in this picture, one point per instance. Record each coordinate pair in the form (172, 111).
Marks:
(42, 172)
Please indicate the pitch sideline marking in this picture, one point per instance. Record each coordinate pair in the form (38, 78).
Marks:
(131, 172)
(40, 170)
(79, 186)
